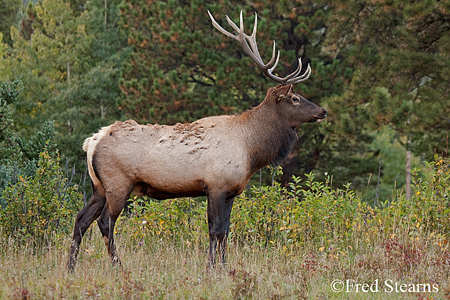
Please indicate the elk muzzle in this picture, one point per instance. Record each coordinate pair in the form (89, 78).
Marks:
(319, 117)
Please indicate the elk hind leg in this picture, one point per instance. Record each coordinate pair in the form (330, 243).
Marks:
(115, 203)
(106, 225)
(84, 219)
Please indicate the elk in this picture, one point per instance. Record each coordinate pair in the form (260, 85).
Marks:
(213, 157)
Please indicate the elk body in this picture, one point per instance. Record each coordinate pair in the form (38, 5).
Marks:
(213, 157)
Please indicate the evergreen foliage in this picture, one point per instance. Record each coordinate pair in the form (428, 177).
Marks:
(19, 155)
(9, 92)
(401, 52)
(86, 64)
(8, 12)
(69, 63)
(171, 76)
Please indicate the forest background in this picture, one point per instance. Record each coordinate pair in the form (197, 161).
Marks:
(380, 68)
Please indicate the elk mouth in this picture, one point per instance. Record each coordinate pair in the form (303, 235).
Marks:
(316, 119)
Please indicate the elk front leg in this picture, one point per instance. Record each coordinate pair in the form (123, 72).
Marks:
(219, 211)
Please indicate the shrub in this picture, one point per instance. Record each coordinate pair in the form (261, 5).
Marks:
(297, 215)
(177, 219)
(428, 210)
(41, 206)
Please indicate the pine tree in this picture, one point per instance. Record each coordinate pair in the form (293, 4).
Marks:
(401, 53)
(18, 156)
(9, 92)
(171, 75)
(69, 63)
(8, 13)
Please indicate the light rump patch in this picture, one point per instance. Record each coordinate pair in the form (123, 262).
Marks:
(89, 147)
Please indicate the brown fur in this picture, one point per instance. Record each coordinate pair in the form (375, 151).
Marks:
(214, 156)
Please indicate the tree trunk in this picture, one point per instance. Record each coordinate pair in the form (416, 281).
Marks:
(408, 169)
(69, 123)
(378, 182)
(102, 109)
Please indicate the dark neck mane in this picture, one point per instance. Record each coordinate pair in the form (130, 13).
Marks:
(269, 139)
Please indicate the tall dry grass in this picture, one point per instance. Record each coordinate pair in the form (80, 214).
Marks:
(158, 269)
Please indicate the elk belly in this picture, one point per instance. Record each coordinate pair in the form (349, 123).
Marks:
(188, 189)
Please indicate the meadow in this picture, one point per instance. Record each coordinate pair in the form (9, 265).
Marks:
(309, 240)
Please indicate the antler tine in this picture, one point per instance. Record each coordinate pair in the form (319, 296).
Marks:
(237, 29)
(296, 77)
(218, 27)
(302, 77)
(249, 42)
(239, 37)
(252, 41)
(251, 48)
(273, 56)
(254, 46)
(296, 72)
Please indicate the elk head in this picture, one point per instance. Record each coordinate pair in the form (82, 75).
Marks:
(295, 109)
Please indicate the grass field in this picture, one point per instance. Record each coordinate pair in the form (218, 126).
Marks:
(393, 269)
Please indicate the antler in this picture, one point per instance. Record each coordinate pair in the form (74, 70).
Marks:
(251, 48)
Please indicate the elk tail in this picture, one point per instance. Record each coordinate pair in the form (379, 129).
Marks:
(86, 144)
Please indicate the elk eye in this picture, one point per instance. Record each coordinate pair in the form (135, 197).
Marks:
(296, 99)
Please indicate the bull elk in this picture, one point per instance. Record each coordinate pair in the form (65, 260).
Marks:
(213, 157)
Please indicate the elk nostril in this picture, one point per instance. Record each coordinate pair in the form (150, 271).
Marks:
(324, 112)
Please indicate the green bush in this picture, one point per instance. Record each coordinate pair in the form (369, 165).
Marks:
(428, 210)
(296, 215)
(39, 207)
(177, 219)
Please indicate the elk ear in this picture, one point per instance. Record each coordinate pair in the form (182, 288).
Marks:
(280, 97)
(289, 91)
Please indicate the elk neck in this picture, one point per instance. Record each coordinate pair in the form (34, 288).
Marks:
(268, 137)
